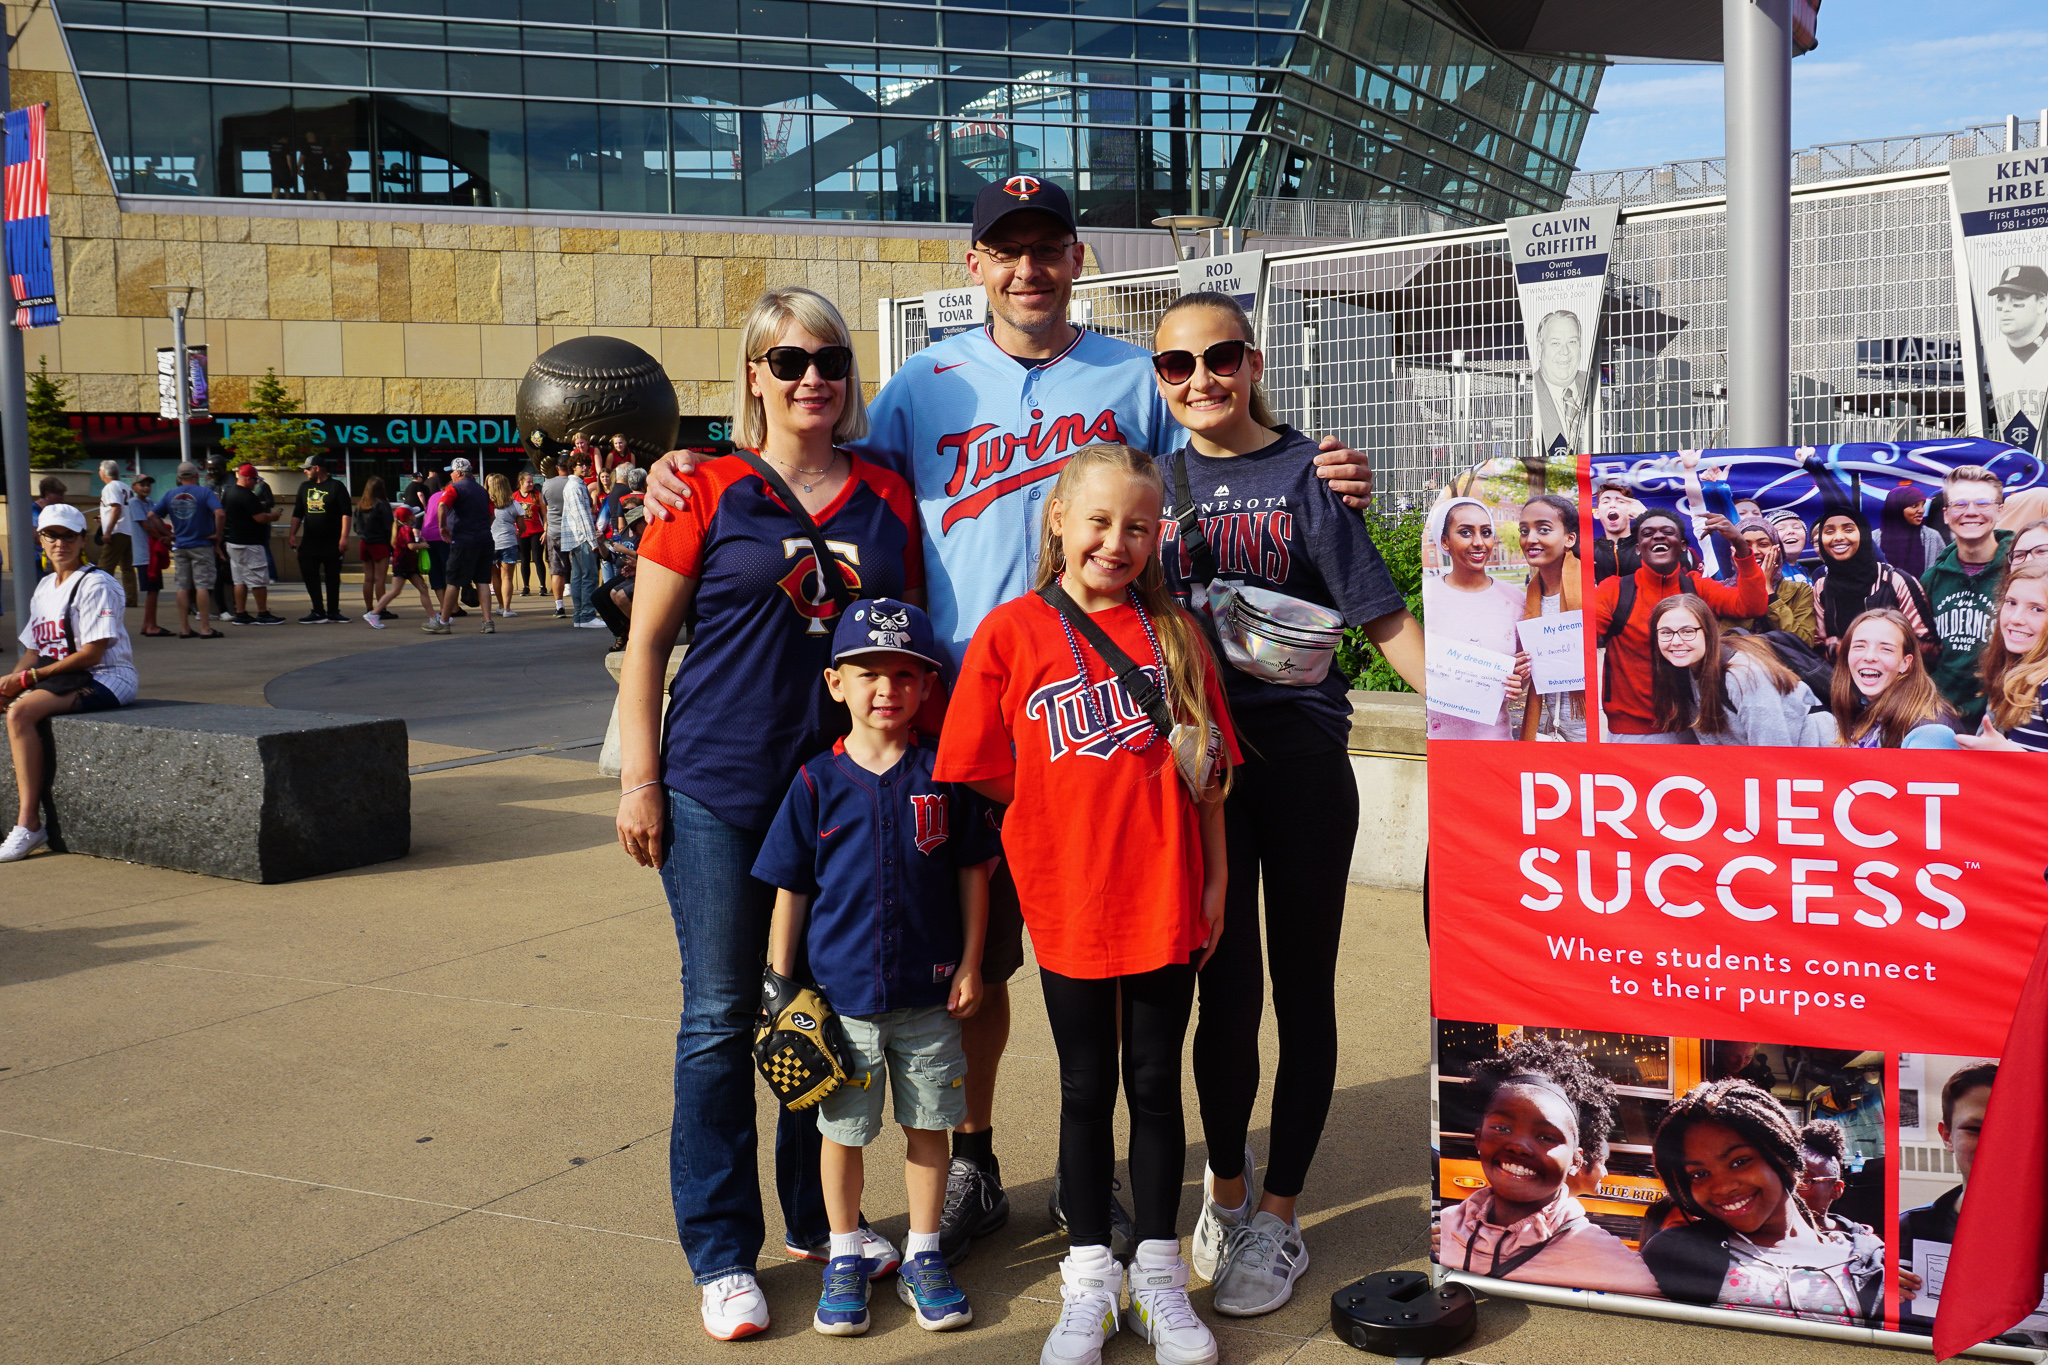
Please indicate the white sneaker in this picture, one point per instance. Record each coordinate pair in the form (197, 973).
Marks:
(1089, 1296)
(1160, 1312)
(506, 611)
(373, 620)
(592, 624)
(1265, 1257)
(1216, 1224)
(734, 1308)
(21, 842)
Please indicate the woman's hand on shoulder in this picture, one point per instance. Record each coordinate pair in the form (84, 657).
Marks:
(639, 824)
(667, 493)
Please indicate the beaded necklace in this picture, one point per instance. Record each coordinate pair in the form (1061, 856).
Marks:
(1087, 688)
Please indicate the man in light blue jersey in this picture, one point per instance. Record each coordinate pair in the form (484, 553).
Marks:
(981, 424)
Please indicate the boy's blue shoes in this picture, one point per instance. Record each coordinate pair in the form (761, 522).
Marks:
(843, 1306)
(927, 1286)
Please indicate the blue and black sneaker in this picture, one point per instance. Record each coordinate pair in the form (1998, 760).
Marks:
(843, 1306)
(927, 1285)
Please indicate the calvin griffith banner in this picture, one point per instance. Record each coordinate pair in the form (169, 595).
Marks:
(1560, 274)
(28, 220)
(1730, 929)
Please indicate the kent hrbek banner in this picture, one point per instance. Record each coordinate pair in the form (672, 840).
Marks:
(1560, 274)
(28, 220)
(2001, 208)
(1727, 937)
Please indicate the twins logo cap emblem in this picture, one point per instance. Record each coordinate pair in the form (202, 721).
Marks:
(1022, 187)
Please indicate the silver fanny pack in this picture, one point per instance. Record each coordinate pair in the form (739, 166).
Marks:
(1272, 636)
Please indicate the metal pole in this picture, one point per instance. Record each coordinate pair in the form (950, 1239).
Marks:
(2012, 132)
(184, 384)
(1756, 40)
(21, 529)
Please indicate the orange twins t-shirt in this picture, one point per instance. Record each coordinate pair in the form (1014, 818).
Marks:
(1105, 844)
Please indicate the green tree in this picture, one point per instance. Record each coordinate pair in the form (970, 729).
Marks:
(52, 444)
(1399, 538)
(273, 436)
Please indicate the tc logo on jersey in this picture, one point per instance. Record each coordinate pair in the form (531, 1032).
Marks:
(932, 821)
(1069, 725)
(1022, 186)
(805, 586)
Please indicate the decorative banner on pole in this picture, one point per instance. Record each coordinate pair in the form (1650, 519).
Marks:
(1729, 935)
(1560, 274)
(1242, 275)
(28, 220)
(2001, 206)
(949, 312)
(198, 400)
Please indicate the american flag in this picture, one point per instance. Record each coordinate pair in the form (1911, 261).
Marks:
(28, 220)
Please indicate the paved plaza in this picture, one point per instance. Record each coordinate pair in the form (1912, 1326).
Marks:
(419, 1112)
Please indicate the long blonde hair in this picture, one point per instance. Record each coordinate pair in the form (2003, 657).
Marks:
(2012, 684)
(814, 313)
(1182, 650)
(500, 489)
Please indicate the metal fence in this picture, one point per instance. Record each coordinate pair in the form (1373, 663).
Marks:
(1412, 349)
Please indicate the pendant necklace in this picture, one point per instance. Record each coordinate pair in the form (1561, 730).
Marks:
(799, 471)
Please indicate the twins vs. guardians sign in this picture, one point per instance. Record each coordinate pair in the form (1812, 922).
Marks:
(1698, 946)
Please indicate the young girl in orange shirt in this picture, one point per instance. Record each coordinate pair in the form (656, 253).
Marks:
(1115, 837)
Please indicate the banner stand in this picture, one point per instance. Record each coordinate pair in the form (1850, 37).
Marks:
(1558, 1297)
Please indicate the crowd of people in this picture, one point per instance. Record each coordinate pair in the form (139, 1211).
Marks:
(1720, 623)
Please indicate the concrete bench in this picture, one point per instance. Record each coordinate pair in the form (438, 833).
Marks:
(243, 792)
(1389, 736)
(608, 756)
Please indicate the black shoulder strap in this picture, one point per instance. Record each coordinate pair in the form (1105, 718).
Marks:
(1189, 518)
(1136, 681)
(1624, 603)
(828, 567)
(70, 601)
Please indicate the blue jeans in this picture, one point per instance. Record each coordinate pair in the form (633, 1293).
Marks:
(582, 584)
(721, 916)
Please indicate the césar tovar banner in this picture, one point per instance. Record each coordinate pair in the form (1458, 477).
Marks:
(2001, 207)
(1730, 919)
(1241, 274)
(1560, 274)
(949, 312)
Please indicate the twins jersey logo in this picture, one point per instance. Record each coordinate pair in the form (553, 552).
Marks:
(1250, 543)
(1022, 186)
(805, 586)
(932, 820)
(989, 454)
(1070, 728)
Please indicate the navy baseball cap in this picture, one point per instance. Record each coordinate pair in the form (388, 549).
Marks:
(882, 625)
(1019, 194)
(2021, 279)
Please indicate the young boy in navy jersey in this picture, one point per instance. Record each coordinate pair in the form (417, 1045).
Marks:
(891, 871)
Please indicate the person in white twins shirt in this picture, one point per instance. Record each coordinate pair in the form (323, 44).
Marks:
(75, 657)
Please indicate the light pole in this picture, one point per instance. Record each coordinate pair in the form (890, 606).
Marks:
(183, 378)
(1756, 37)
(21, 524)
(1175, 223)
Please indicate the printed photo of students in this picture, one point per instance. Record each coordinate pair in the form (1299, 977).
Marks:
(1040, 724)
(1621, 617)
(1544, 1116)
(1881, 697)
(1730, 1157)
(1962, 585)
(2013, 673)
(1790, 529)
(1908, 543)
(1822, 1150)
(1724, 688)
(1965, 1098)
(1706, 490)
(1615, 509)
(1467, 604)
(1550, 544)
(1791, 609)
(1852, 580)
(2029, 542)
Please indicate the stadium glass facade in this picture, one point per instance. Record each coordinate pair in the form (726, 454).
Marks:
(826, 109)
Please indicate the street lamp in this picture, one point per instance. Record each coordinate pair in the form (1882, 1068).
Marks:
(182, 380)
(1175, 223)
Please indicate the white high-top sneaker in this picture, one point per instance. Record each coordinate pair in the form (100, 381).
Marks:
(1214, 1227)
(1160, 1312)
(734, 1308)
(1091, 1286)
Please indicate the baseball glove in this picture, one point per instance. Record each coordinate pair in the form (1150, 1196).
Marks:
(799, 1044)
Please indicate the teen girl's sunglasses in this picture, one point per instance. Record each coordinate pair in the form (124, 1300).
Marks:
(791, 363)
(1178, 367)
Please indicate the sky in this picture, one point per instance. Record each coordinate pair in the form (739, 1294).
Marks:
(1884, 68)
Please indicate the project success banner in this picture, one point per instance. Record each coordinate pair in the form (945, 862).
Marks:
(1737, 866)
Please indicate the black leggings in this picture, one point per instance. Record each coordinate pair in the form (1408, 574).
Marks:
(529, 549)
(1291, 819)
(317, 567)
(1085, 1029)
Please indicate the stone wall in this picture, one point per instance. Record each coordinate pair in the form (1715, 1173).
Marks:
(428, 317)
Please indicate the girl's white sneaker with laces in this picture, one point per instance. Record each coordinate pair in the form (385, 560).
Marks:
(1160, 1312)
(22, 841)
(1091, 1287)
(734, 1308)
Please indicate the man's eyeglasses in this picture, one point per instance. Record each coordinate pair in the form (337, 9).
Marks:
(1178, 367)
(1972, 502)
(1009, 253)
(1678, 632)
(791, 363)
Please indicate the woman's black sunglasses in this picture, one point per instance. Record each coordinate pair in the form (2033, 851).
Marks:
(1178, 367)
(791, 363)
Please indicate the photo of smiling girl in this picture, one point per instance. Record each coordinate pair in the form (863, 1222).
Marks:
(1467, 604)
(1550, 544)
(1544, 1117)
(2014, 667)
(1724, 688)
(1852, 580)
(1881, 697)
(1729, 1155)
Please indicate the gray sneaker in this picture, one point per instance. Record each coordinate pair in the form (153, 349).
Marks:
(1261, 1262)
(437, 628)
(1216, 1223)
